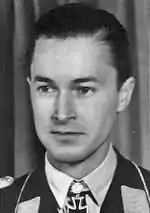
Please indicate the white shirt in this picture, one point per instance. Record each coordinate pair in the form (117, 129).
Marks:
(98, 181)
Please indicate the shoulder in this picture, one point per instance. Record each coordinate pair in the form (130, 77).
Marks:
(135, 172)
(27, 183)
(10, 194)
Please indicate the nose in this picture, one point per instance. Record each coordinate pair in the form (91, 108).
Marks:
(64, 108)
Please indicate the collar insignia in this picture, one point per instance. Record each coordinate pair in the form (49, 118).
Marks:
(134, 200)
(30, 206)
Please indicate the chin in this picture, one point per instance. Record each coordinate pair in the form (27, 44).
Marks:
(68, 157)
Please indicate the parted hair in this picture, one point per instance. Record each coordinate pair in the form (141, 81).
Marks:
(77, 19)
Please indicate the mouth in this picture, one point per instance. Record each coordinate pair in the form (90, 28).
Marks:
(66, 133)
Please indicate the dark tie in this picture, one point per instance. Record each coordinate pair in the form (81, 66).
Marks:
(76, 198)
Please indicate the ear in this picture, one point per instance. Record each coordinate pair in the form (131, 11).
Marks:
(125, 94)
(28, 80)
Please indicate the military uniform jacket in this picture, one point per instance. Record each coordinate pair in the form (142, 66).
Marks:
(127, 193)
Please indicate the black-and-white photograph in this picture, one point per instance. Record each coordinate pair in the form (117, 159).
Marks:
(75, 106)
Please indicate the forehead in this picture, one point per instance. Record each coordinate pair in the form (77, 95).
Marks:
(72, 57)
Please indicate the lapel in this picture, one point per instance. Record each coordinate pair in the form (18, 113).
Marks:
(125, 175)
(37, 192)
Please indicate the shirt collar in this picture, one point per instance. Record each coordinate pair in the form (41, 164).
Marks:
(102, 175)
(59, 182)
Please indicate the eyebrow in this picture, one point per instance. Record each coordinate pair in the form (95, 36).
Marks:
(39, 78)
(85, 79)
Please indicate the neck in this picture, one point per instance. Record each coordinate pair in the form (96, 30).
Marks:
(81, 169)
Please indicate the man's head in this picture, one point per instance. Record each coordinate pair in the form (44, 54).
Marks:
(80, 78)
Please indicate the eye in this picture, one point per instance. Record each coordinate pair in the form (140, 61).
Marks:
(85, 91)
(46, 89)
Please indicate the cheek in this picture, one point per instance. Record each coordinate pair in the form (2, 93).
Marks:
(42, 107)
(98, 112)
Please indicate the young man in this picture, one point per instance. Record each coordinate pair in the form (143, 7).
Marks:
(80, 79)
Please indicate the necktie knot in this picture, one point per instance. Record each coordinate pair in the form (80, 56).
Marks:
(77, 188)
(76, 198)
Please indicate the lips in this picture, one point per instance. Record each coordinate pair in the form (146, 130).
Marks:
(66, 133)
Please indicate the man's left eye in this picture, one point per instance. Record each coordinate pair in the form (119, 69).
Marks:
(85, 91)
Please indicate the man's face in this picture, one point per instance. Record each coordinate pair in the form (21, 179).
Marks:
(74, 96)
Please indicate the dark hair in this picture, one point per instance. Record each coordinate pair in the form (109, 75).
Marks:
(76, 19)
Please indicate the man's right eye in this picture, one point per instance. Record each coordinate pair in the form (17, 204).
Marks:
(45, 89)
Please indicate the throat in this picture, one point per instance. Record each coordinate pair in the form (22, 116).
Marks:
(80, 169)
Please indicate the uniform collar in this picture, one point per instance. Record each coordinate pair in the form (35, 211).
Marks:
(98, 181)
